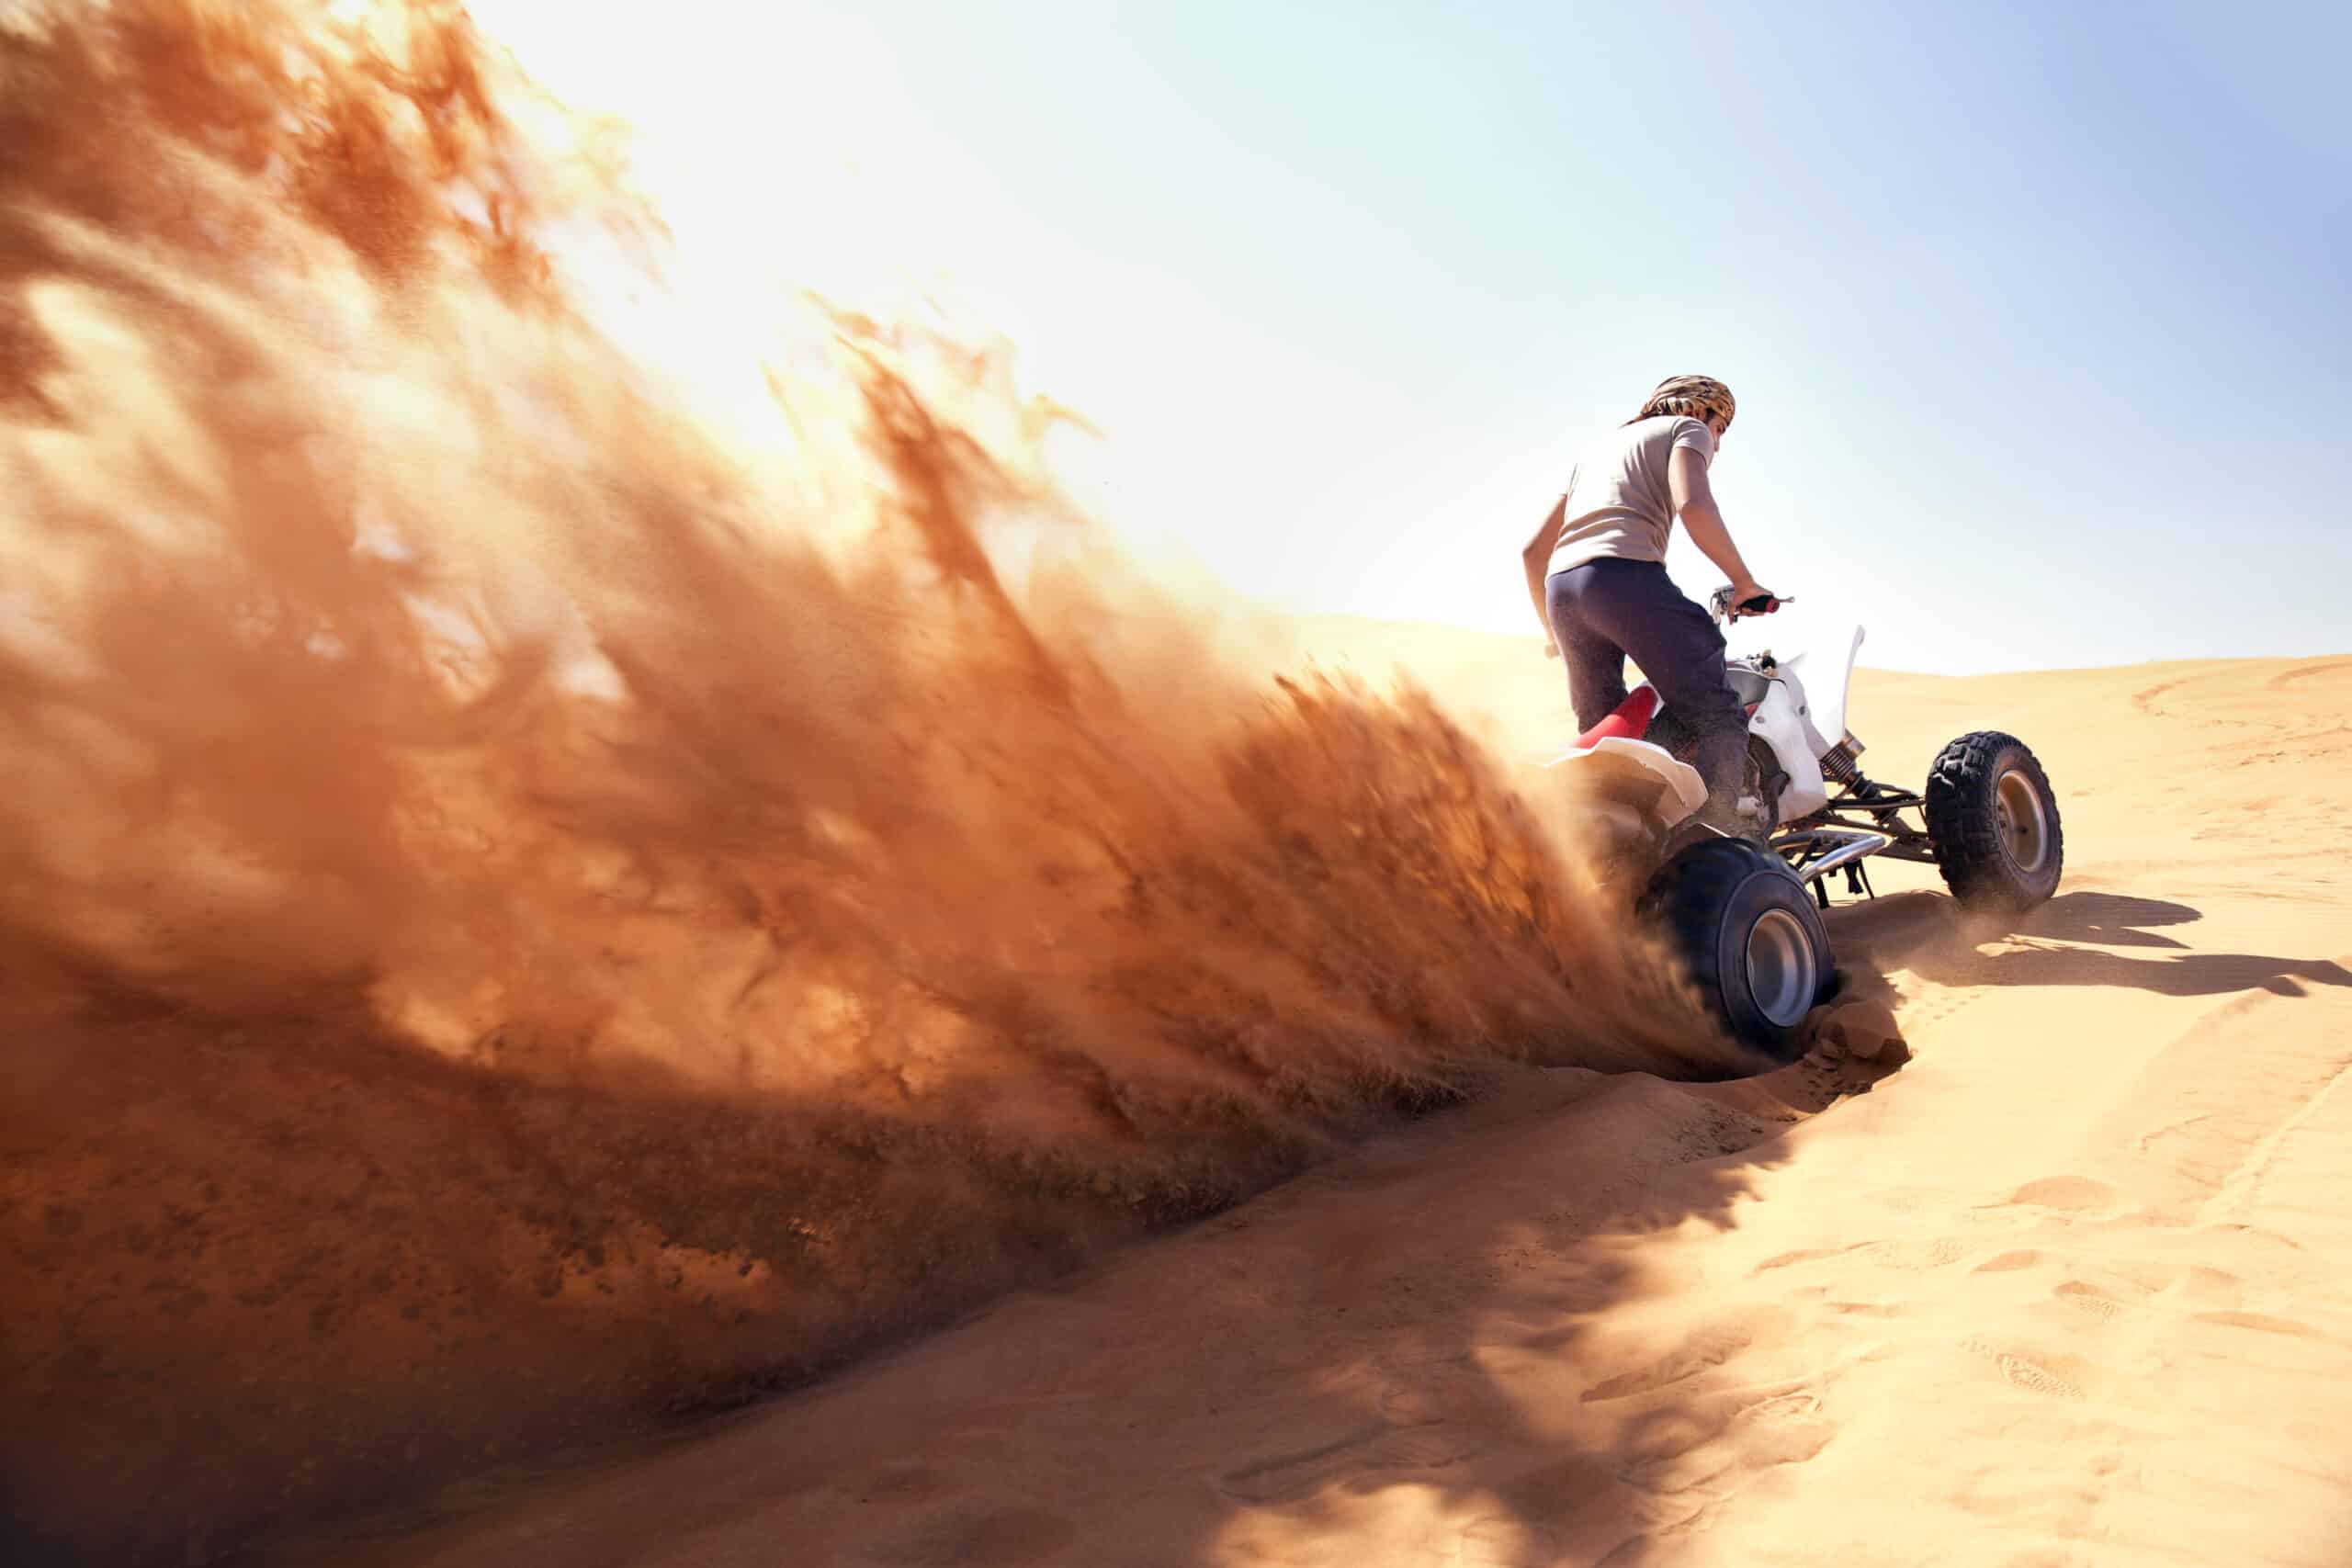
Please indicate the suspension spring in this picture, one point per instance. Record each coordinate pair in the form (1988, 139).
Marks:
(1837, 762)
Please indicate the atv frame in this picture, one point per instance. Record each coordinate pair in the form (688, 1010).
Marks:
(1838, 838)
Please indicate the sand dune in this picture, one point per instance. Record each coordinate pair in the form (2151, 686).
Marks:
(2072, 1283)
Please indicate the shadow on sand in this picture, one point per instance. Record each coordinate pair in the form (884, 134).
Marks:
(2064, 943)
(210, 1357)
(1426, 1312)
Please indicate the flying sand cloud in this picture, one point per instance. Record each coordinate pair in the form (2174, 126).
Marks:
(521, 912)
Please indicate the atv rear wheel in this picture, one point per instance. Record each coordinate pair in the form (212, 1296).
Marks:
(1993, 823)
(1750, 936)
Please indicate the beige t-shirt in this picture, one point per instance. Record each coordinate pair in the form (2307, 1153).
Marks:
(1618, 502)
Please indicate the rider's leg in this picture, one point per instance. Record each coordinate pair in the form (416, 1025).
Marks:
(1596, 666)
(1636, 606)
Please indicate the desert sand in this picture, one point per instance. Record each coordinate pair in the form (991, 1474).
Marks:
(531, 919)
(2065, 1280)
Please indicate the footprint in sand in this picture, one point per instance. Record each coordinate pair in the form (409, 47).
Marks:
(2085, 1304)
(1914, 1257)
(2088, 1299)
(2002, 1263)
(1781, 1407)
(2030, 1374)
(2047, 1375)
(2067, 1194)
(1711, 1449)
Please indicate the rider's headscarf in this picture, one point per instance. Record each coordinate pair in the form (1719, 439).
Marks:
(1694, 396)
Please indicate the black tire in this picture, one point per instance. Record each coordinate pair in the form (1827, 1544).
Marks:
(1992, 822)
(1717, 900)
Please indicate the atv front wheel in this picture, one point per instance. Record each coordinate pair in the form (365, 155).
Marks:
(1750, 936)
(1993, 823)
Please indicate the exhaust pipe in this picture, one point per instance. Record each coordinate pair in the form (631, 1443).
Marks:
(1842, 847)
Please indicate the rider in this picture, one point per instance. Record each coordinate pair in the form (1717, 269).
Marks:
(1596, 572)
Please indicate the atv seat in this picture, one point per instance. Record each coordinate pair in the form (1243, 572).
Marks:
(1631, 720)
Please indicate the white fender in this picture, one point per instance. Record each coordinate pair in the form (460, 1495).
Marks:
(1822, 708)
(1644, 777)
(1784, 728)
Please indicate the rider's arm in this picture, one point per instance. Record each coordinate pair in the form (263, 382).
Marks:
(1535, 558)
(1686, 479)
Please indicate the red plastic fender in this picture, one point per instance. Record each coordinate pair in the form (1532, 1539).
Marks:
(1631, 721)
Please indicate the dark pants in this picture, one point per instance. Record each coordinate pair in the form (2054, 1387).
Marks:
(1605, 610)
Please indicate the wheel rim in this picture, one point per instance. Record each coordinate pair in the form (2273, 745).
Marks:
(1781, 974)
(2025, 826)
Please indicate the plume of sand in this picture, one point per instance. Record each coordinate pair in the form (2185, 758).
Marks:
(516, 917)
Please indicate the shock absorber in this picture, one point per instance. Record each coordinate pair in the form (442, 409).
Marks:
(1838, 764)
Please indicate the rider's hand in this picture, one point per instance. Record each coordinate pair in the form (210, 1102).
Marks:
(1551, 651)
(1741, 592)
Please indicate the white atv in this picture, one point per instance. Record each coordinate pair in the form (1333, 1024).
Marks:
(1735, 907)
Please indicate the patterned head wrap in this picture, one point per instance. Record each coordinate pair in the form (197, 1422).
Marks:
(1695, 396)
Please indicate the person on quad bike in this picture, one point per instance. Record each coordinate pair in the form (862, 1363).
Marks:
(1596, 571)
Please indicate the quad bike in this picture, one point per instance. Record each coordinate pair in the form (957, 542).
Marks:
(1734, 904)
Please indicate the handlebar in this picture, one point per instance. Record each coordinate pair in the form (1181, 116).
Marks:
(1762, 605)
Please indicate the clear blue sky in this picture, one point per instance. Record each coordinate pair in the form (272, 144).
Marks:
(2039, 316)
